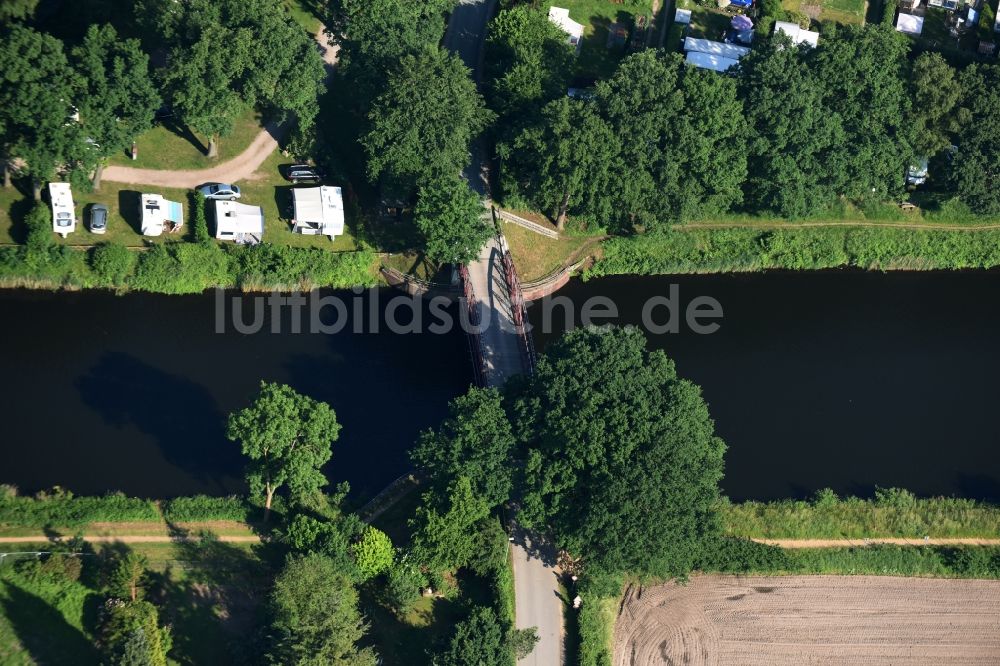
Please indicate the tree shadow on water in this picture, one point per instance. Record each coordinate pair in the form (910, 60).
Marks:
(43, 631)
(180, 415)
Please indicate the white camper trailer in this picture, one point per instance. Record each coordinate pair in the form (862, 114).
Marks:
(63, 213)
(238, 222)
(158, 215)
(319, 211)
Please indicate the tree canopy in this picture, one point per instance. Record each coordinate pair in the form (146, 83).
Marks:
(423, 123)
(449, 215)
(36, 102)
(117, 98)
(448, 527)
(478, 640)
(622, 460)
(936, 94)
(975, 170)
(230, 55)
(474, 442)
(287, 437)
(316, 616)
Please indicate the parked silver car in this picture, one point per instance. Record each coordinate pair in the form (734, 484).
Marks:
(98, 219)
(220, 191)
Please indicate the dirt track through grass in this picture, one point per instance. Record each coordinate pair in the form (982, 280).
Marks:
(794, 620)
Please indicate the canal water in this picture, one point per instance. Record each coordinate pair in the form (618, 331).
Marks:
(846, 380)
(103, 392)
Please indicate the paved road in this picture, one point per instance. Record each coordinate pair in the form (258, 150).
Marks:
(536, 591)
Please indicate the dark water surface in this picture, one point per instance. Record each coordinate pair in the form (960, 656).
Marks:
(840, 379)
(101, 392)
(845, 380)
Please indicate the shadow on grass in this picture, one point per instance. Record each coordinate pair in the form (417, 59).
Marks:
(128, 208)
(183, 131)
(213, 595)
(43, 631)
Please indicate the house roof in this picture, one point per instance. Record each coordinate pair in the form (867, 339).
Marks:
(238, 218)
(729, 51)
(560, 17)
(682, 16)
(322, 206)
(910, 24)
(710, 61)
(797, 34)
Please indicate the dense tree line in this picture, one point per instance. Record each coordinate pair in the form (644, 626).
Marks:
(792, 133)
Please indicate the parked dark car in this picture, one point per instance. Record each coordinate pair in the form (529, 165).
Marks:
(303, 173)
(98, 219)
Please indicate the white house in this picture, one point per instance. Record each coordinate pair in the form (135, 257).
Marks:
(709, 61)
(797, 34)
(318, 211)
(909, 24)
(238, 222)
(63, 212)
(682, 16)
(574, 30)
(158, 215)
(721, 49)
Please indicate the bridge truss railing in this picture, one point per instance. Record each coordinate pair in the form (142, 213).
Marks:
(518, 309)
(473, 333)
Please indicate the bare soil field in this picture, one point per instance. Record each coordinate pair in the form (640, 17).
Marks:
(796, 620)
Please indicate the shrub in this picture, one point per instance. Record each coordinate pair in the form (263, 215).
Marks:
(203, 508)
(266, 266)
(889, 12)
(403, 586)
(182, 268)
(40, 237)
(112, 263)
(737, 555)
(61, 509)
(199, 225)
(373, 553)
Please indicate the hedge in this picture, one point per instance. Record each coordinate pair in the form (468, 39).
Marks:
(708, 250)
(203, 508)
(892, 513)
(188, 268)
(61, 509)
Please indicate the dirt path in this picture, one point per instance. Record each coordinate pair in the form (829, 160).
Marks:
(241, 167)
(843, 223)
(847, 543)
(132, 538)
(795, 620)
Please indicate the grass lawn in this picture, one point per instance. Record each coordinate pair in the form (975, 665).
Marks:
(304, 12)
(170, 145)
(706, 22)
(596, 60)
(267, 189)
(536, 256)
(840, 11)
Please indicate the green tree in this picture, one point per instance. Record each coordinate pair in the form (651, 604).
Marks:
(116, 96)
(17, 10)
(792, 134)
(479, 640)
(622, 461)
(36, 104)
(131, 634)
(113, 263)
(475, 442)
(975, 169)
(316, 618)
(863, 73)
(403, 586)
(126, 576)
(528, 64)
(447, 528)
(566, 161)
(374, 553)
(523, 641)
(287, 437)
(674, 168)
(230, 55)
(450, 218)
(332, 538)
(422, 125)
(935, 92)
